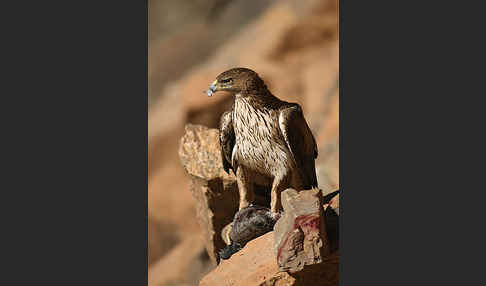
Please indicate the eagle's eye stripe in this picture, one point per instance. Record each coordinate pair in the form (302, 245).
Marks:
(227, 80)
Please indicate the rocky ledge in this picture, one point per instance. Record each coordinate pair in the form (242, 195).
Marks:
(303, 247)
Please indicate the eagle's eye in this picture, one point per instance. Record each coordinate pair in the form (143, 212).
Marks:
(227, 81)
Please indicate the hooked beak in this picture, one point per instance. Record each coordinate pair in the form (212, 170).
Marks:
(212, 88)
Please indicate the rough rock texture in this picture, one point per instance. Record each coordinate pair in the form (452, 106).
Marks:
(200, 153)
(183, 265)
(214, 191)
(255, 265)
(300, 233)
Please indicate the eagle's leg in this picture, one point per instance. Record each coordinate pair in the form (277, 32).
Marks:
(245, 188)
(279, 185)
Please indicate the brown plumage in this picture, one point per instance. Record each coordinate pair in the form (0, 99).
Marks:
(264, 138)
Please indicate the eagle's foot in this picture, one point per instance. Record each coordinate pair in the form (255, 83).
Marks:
(275, 215)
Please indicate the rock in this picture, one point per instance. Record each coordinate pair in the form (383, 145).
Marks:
(255, 265)
(200, 153)
(214, 191)
(183, 265)
(300, 233)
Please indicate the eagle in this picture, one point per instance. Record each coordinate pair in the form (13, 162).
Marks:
(263, 139)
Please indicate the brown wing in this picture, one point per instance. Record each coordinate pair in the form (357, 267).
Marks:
(300, 141)
(226, 140)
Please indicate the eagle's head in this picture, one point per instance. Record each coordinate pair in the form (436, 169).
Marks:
(237, 81)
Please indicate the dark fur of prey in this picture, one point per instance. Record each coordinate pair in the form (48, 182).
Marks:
(248, 224)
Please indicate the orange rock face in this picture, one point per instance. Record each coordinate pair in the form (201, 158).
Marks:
(256, 265)
(214, 191)
(252, 265)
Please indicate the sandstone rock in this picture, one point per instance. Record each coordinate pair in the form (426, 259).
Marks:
(300, 233)
(214, 191)
(255, 265)
(216, 202)
(183, 265)
(200, 153)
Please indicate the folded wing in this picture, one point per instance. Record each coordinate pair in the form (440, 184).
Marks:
(300, 142)
(226, 140)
